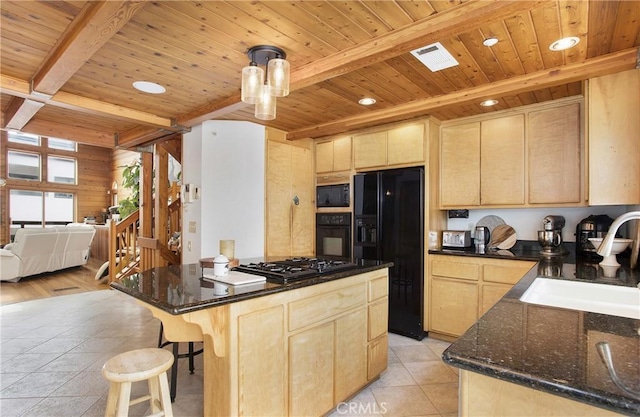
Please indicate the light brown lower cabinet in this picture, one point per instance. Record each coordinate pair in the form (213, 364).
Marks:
(482, 395)
(298, 352)
(464, 288)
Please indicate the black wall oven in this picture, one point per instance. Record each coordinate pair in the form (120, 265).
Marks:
(333, 236)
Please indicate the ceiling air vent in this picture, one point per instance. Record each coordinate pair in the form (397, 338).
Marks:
(435, 57)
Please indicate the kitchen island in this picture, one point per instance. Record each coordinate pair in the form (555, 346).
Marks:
(527, 359)
(275, 349)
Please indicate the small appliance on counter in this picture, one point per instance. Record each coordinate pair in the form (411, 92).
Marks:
(594, 226)
(550, 239)
(456, 239)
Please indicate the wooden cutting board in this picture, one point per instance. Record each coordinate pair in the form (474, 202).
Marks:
(503, 237)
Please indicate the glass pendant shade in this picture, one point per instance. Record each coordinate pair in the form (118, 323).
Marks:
(266, 108)
(278, 70)
(252, 83)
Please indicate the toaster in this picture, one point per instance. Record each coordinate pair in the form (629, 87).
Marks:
(456, 238)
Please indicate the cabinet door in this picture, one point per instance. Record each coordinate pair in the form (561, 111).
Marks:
(262, 384)
(405, 144)
(351, 354)
(454, 305)
(460, 166)
(377, 356)
(311, 371)
(324, 157)
(302, 213)
(278, 199)
(342, 154)
(491, 294)
(614, 148)
(370, 150)
(554, 155)
(502, 161)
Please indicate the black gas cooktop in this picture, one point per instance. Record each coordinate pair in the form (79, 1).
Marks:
(294, 269)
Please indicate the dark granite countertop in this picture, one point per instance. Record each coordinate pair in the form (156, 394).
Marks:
(523, 250)
(553, 349)
(180, 289)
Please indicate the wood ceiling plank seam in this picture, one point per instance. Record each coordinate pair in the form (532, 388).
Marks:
(467, 65)
(378, 85)
(389, 12)
(169, 65)
(409, 66)
(322, 29)
(356, 31)
(547, 26)
(361, 18)
(542, 95)
(559, 91)
(206, 33)
(310, 37)
(400, 87)
(135, 35)
(484, 57)
(522, 31)
(77, 133)
(261, 32)
(574, 19)
(336, 21)
(504, 50)
(627, 29)
(348, 90)
(416, 10)
(371, 16)
(40, 21)
(602, 22)
(327, 101)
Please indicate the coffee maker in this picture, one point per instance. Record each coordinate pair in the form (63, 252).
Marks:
(551, 237)
(592, 226)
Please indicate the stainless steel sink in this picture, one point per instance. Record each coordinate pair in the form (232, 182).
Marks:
(585, 296)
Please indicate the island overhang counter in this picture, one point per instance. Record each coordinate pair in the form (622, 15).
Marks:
(275, 349)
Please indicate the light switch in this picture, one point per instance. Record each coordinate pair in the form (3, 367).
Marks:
(192, 227)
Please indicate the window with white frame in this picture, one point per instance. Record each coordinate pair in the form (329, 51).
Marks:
(61, 170)
(23, 165)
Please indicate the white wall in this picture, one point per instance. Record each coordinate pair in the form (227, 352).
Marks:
(527, 222)
(230, 173)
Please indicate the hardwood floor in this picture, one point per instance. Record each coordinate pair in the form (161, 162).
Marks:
(74, 280)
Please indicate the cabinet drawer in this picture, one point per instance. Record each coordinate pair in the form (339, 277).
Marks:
(378, 318)
(377, 357)
(378, 288)
(317, 308)
(462, 270)
(505, 274)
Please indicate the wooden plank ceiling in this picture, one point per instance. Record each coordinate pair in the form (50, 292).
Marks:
(67, 66)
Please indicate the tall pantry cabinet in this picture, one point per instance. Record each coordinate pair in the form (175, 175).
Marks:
(289, 197)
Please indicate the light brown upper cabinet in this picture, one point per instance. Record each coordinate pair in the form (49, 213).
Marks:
(614, 139)
(333, 155)
(399, 145)
(554, 155)
(529, 158)
(502, 161)
(482, 163)
(460, 165)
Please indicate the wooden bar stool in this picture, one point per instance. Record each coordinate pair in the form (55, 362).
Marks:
(149, 364)
(177, 355)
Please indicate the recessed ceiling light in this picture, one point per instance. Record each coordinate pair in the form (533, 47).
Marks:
(149, 87)
(564, 43)
(490, 41)
(489, 103)
(367, 101)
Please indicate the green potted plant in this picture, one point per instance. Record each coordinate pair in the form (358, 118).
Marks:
(130, 181)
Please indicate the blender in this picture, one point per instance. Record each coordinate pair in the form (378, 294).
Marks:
(550, 239)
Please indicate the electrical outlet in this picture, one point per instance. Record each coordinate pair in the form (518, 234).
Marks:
(458, 214)
(192, 227)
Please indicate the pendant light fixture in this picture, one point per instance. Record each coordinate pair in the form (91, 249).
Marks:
(261, 88)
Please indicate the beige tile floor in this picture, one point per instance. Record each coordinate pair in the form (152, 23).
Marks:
(52, 350)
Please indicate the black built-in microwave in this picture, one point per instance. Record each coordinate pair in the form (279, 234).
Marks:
(332, 195)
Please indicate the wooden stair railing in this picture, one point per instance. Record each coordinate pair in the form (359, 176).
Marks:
(124, 254)
(130, 253)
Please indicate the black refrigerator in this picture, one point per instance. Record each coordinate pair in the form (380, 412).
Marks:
(389, 226)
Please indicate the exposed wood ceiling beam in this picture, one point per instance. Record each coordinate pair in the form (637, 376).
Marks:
(451, 22)
(142, 135)
(96, 23)
(606, 64)
(59, 130)
(20, 88)
(19, 112)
